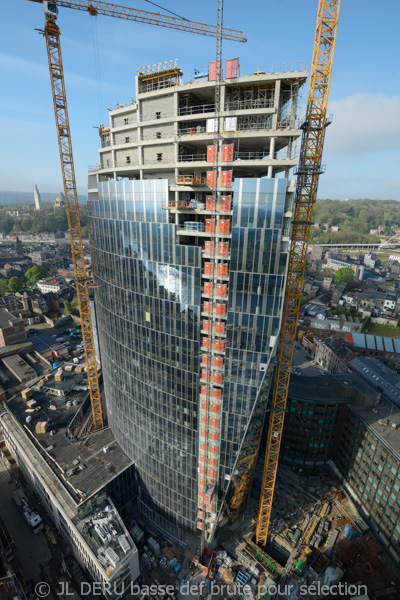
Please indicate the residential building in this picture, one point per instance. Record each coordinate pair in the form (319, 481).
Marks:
(316, 251)
(12, 329)
(51, 284)
(336, 264)
(333, 354)
(371, 260)
(192, 279)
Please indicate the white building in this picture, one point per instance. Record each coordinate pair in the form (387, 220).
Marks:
(50, 284)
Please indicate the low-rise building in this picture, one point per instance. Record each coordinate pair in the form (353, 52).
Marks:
(379, 375)
(382, 348)
(82, 486)
(12, 329)
(333, 354)
(336, 264)
(50, 284)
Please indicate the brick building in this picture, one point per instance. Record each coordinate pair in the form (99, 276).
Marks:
(12, 329)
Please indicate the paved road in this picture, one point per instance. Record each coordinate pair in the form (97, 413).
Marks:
(32, 553)
(300, 360)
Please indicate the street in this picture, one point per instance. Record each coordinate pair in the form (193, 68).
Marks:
(300, 360)
(34, 554)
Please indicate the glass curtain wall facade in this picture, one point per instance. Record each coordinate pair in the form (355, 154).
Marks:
(149, 320)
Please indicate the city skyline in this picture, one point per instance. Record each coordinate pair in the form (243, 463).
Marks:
(361, 148)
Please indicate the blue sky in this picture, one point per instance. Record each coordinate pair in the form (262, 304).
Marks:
(362, 147)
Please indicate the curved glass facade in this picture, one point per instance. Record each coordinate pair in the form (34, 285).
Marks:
(149, 319)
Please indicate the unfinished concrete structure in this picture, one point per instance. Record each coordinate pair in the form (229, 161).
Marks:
(192, 269)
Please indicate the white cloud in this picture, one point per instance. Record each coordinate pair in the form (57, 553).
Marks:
(362, 124)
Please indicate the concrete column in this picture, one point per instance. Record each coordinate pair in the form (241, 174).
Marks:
(271, 155)
(222, 105)
(277, 98)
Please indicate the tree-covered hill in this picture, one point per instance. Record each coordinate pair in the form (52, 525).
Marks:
(354, 218)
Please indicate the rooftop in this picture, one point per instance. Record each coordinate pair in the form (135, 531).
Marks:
(314, 389)
(19, 367)
(7, 319)
(82, 467)
(379, 375)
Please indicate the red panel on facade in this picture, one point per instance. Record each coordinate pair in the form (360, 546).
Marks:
(208, 269)
(227, 152)
(206, 325)
(216, 409)
(206, 343)
(211, 153)
(222, 270)
(224, 226)
(215, 436)
(203, 420)
(210, 202)
(219, 345)
(223, 248)
(226, 179)
(209, 247)
(221, 290)
(212, 179)
(213, 474)
(214, 449)
(221, 310)
(213, 72)
(207, 307)
(217, 394)
(206, 359)
(204, 374)
(202, 445)
(208, 288)
(231, 68)
(210, 225)
(218, 362)
(214, 462)
(220, 328)
(215, 422)
(225, 203)
(218, 378)
(204, 390)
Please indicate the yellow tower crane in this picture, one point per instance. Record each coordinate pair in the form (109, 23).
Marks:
(52, 35)
(308, 173)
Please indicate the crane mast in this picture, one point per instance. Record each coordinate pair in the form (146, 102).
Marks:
(52, 35)
(309, 169)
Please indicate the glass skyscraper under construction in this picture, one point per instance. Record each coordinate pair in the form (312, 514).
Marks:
(191, 283)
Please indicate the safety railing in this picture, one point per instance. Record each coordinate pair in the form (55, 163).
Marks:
(248, 104)
(192, 157)
(195, 110)
(190, 180)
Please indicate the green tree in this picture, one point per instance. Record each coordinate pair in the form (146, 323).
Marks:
(15, 284)
(3, 288)
(345, 275)
(35, 273)
(70, 308)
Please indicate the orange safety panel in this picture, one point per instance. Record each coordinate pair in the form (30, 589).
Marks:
(209, 247)
(190, 130)
(201, 481)
(204, 390)
(218, 362)
(206, 325)
(201, 493)
(227, 152)
(202, 432)
(210, 202)
(210, 225)
(214, 73)
(213, 474)
(208, 288)
(201, 470)
(231, 68)
(221, 289)
(200, 514)
(216, 409)
(219, 345)
(215, 422)
(218, 378)
(226, 179)
(222, 270)
(202, 446)
(212, 179)
(220, 328)
(208, 268)
(206, 359)
(203, 405)
(214, 462)
(225, 203)
(207, 307)
(217, 394)
(204, 374)
(215, 436)
(221, 310)
(203, 419)
(223, 248)
(211, 153)
(206, 343)
(214, 449)
(224, 226)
